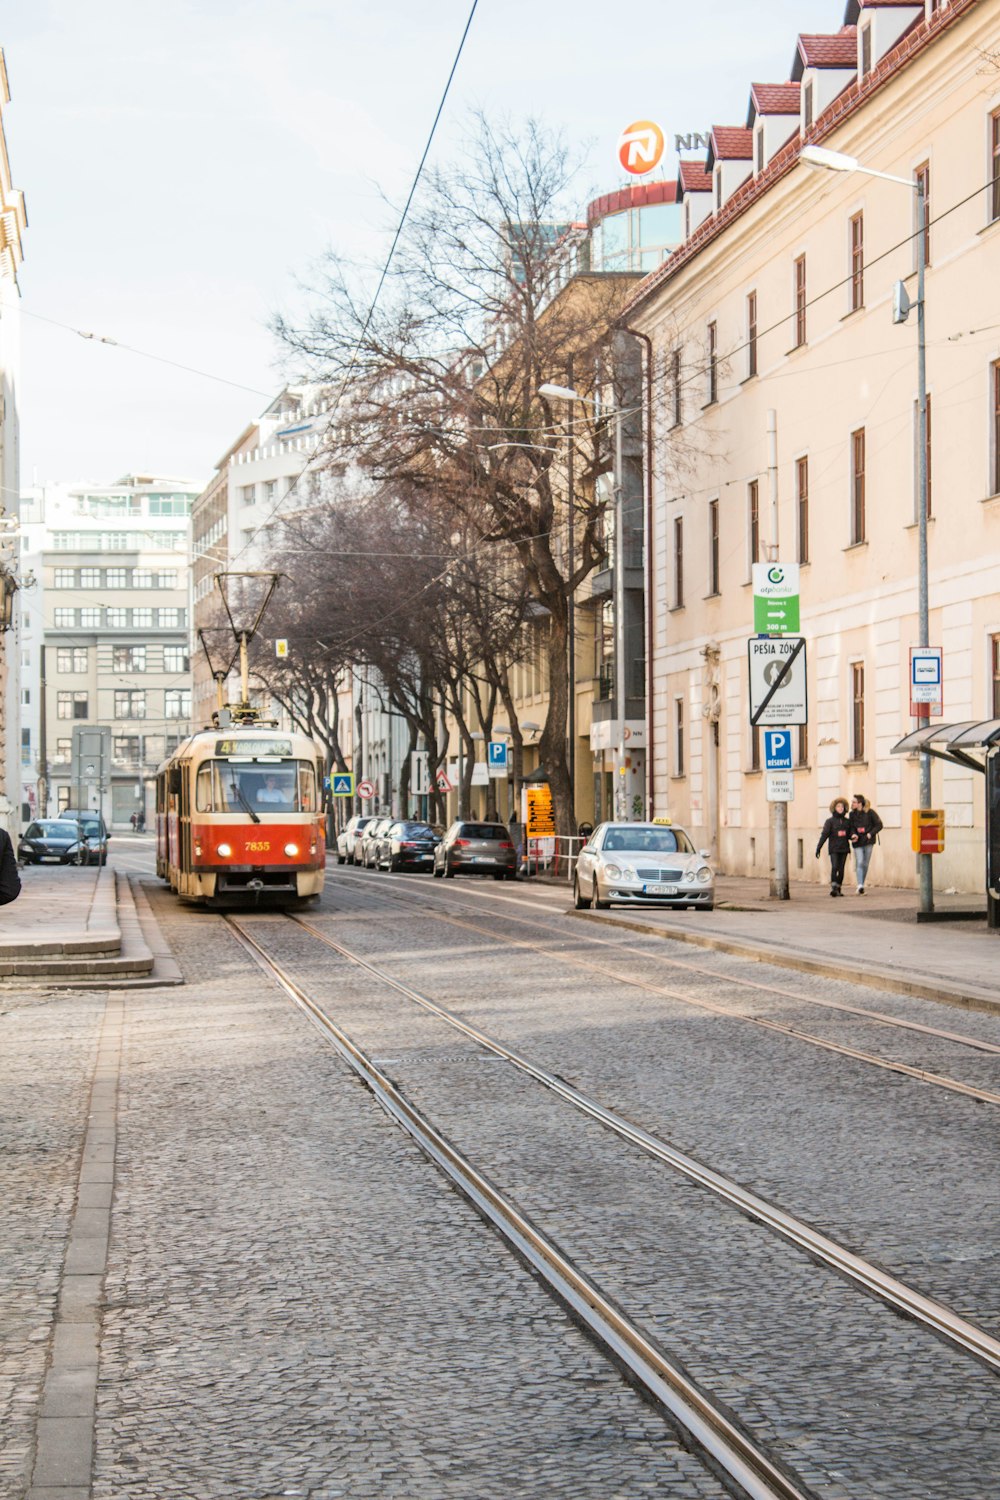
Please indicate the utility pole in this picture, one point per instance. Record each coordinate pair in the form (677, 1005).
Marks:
(778, 810)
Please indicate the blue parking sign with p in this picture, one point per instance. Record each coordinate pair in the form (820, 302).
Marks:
(777, 749)
(498, 753)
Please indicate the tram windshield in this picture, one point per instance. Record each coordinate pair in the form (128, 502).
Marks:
(226, 786)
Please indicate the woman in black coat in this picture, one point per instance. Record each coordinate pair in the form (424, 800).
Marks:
(837, 836)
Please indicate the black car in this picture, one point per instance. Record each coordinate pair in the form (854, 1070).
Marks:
(407, 846)
(476, 849)
(53, 841)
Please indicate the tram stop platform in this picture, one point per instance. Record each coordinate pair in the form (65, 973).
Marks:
(90, 926)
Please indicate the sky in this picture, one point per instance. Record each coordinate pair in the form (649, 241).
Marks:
(187, 167)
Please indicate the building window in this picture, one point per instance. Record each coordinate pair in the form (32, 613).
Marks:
(713, 363)
(128, 658)
(169, 619)
(116, 618)
(807, 106)
(675, 382)
(116, 578)
(270, 489)
(857, 710)
(90, 578)
(126, 749)
(758, 150)
(71, 705)
(167, 578)
(751, 334)
(866, 51)
(65, 618)
(64, 752)
(26, 747)
(248, 494)
(71, 659)
(858, 532)
(64, 578)
(142, 578)
(176, 659)
(800, 301)
(923, 177)
(753, 521)
(678, 736)
(995, 166)
(995, 658)
(679, 562)
(857, 262)
(177, 703)
(916, 456)
(995, 434)
(803, 749)
(142, 619)
(713, 546)
(90, 619)
(802, 507)
(130, 703)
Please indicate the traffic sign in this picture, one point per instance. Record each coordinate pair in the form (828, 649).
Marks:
(443, 781)
(926, 681)
(776, 598)
(366, 790)
(342, 784)
(280, 649)
(497, 758)
(777, 750)
(777, 680)
(780, 786)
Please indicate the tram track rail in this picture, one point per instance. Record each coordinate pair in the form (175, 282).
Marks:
(920, 1075)
(729, 1449)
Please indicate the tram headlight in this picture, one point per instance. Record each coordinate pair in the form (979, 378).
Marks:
(291, 850)
(197, 849)
(225, 850)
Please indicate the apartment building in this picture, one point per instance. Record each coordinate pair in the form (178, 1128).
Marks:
(785, 299)
(110, 644)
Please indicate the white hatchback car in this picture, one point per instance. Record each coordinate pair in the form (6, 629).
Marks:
(642, 864)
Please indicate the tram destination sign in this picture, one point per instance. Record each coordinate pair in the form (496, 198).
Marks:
(247, 749)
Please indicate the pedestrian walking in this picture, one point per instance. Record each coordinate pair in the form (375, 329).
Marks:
(140, 821)
(10, 880)
(866, 825)
(133, 820)
(836, 835)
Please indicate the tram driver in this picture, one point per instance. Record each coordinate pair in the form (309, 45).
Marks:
(272, 794)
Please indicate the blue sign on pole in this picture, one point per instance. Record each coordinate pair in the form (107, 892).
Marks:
(498, 754)
(777, 749)
(343, 785)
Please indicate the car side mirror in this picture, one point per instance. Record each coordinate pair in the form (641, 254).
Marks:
(705, 853)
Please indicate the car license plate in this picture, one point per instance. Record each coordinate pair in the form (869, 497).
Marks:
(659, 890)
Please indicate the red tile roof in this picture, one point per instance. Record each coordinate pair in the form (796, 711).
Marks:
(731, 143)
(692, 178)
(775, 98)
(839, 51)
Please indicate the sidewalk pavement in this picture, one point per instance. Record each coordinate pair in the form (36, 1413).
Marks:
(875, 938)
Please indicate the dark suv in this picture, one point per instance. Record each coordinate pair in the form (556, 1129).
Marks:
(470, 848)
(95, 831)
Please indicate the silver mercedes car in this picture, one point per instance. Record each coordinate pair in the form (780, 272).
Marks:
(642, 864)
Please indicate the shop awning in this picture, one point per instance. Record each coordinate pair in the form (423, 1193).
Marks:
(964, 744)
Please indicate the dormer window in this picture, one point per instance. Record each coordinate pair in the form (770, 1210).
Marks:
(807, 106)
(865, 51)
(717, 188)
(758, 150)
(687, 219)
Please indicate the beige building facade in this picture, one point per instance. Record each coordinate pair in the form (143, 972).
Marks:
(781, 301)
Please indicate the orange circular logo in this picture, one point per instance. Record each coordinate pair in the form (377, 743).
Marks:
(640, 147)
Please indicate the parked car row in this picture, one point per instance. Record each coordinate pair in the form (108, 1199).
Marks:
(627, 864)
(66, 840)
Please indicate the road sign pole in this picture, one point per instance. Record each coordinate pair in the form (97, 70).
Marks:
(779, 810)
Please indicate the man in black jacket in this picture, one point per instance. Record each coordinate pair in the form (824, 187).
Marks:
(866, 825)
(837, 835)
(10, 880)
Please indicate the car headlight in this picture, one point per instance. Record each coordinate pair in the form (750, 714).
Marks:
(704, 874)
(224, 850)
(620, 872)
(291, 850)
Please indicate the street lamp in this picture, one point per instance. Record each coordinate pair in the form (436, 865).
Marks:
(838, 161)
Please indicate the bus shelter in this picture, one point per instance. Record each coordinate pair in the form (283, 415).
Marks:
(975, 746)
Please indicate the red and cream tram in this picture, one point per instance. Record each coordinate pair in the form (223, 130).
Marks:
(239, 817)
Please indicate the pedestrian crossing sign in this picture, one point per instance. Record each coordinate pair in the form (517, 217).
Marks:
(343, 784)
